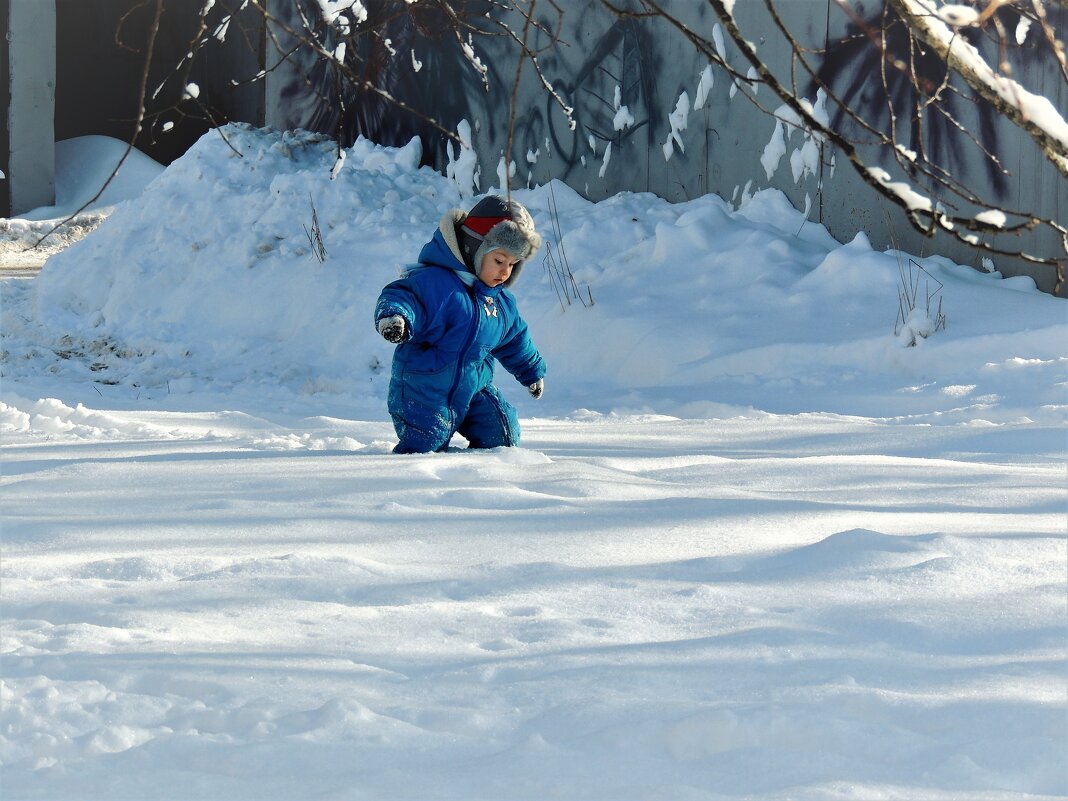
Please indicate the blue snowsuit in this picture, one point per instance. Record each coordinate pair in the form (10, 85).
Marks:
(442, 379)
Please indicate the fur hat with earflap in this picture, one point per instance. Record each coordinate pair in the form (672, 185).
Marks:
(495, 223)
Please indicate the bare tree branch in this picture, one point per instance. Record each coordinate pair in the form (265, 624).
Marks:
(153, 32)
(922, 47)
(1032, 113)
(927, 212)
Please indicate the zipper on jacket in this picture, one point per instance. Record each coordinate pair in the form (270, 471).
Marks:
(473, 296)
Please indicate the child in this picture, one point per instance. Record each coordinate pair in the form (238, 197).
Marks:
(451, 316)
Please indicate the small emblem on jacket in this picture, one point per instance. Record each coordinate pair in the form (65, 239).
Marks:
(490, 307)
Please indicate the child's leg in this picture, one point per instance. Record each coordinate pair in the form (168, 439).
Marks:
(417, 440)
(491, 421)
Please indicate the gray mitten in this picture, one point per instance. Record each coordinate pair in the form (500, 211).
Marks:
(393, 329)
(537, 388)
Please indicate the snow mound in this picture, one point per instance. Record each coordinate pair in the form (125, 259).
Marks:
(50, 417)
(84, 167)
(84, 178)
(845, 581)
(215, 280)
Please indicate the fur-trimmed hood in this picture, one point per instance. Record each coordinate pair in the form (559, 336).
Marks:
(497, 223)
(459, 247)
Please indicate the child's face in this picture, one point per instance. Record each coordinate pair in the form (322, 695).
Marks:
(496, 267)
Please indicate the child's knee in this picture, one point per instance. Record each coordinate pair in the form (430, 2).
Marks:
(413, 439)
(497, 438)
(492, 422)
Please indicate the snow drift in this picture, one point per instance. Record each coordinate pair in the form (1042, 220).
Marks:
(754, 545)
(210, 279)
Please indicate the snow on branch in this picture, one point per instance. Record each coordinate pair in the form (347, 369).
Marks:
(1033, 113)
(926, 191)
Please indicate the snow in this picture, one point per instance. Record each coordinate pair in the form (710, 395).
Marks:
(912, 199)
(752, 546)
(718, 41)
(222, 28)
(463, 167)
(332, 12)
(704, 86)
(677, 121)
(804, 159)
(994, 217)
(1022, 29)
(469, 52)
(83, 164)
(607, 157)
(622, 120)
(504, 174)
(774, 150)
(958, 16)
(1036, 110)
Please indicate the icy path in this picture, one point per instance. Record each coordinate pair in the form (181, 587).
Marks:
(213, 605)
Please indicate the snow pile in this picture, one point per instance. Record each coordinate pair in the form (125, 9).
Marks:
(83, 166)
(753, 547)
(50, 416)
(210, 280)
(84, 175)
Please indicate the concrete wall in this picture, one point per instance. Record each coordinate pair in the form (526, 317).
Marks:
(723, 142)
(31, 82)
(98, 82)
(721, 147)
(63, 75)
(5, 103)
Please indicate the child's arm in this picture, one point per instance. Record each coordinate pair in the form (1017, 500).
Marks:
(398, 300)
(519, 355)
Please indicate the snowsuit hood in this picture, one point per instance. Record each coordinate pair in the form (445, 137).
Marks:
(445, 249)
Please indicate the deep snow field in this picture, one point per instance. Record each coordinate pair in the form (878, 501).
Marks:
(753, 546)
